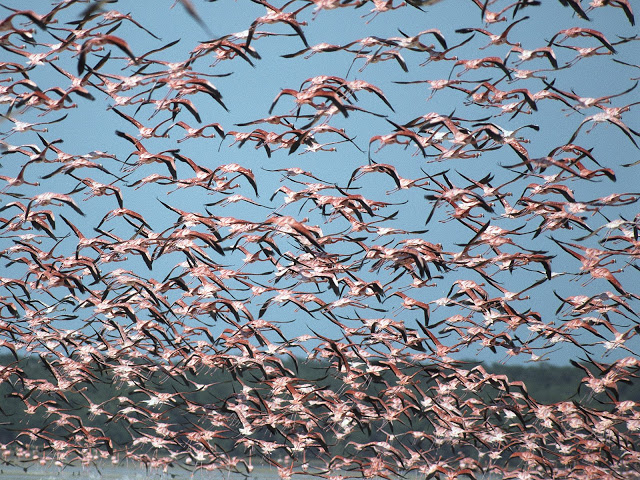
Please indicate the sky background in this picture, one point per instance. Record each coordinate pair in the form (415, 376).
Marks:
(249, 91)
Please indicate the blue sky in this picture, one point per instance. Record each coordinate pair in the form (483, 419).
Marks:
(249, 92)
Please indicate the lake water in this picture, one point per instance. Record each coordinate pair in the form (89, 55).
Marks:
(38, 472)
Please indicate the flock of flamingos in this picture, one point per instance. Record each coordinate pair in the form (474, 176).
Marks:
(121, 267)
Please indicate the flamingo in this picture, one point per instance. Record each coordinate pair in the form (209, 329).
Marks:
(278, 15)
(495, 39)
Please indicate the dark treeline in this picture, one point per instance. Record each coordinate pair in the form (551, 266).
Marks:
(120, 409)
